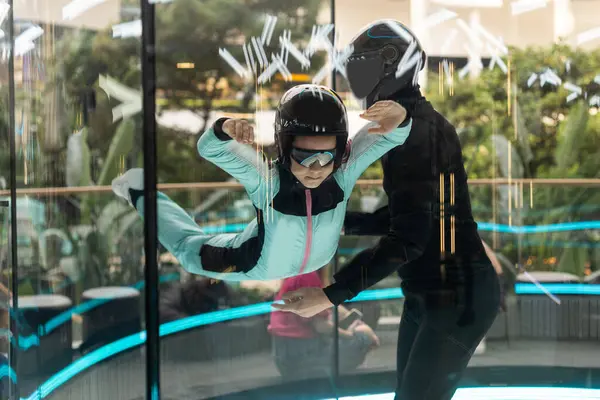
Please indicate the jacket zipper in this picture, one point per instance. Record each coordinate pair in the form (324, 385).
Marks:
(308, 230)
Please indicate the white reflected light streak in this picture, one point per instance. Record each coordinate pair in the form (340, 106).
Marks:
(128, 29)
(4, 7)
(268, 29)
(24, 42)
(470, 3)
(524, 6)
(78, 7)
(588, 36)
(541, 287)
(439, 17)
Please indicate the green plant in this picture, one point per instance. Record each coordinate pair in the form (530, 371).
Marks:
(544, 136)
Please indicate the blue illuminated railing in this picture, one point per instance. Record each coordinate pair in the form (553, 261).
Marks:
(32, 340)
(482, 226)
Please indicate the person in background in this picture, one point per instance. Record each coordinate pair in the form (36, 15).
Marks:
(5, 296)
(303, 347)
(503, 288)
(196, 296)
(500, 272)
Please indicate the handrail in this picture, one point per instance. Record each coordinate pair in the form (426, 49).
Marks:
(50, 191)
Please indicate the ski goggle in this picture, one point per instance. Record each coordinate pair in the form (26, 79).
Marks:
(306, 158)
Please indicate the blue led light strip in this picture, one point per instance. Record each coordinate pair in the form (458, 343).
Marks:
(6, 370)
(482, 226)
(574, 289)
(560, 227)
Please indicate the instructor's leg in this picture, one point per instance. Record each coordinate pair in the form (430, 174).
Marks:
(407, 334)
(443, 347)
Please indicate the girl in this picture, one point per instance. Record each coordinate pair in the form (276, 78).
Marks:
(300, 199)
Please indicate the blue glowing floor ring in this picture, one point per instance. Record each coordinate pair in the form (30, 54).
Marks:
(503, 393)
(170, 328)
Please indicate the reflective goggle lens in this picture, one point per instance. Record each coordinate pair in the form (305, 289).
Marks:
(306, 158)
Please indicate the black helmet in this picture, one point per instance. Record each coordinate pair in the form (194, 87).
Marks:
(310, 110)
(377, 50)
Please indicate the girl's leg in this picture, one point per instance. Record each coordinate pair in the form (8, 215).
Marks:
(182, 237)
(180, 234)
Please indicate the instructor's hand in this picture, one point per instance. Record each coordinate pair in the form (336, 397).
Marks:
(239, 130)
(305, 302)
(388, 114)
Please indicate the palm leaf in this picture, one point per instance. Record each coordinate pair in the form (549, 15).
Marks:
(120, 146)
(571, 131)
(524, 147)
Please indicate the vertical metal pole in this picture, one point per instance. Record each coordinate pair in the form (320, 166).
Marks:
(336, 319)
(332, 17)
(150, 215)
(14, 392)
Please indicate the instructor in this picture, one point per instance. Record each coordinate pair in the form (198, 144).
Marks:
(429, 235)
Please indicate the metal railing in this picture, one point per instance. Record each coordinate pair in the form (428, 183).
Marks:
(50, 191)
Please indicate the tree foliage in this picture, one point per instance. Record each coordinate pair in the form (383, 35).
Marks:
(547, 136)
(186, 32)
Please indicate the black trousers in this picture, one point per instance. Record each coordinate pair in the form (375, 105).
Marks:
(439, 333)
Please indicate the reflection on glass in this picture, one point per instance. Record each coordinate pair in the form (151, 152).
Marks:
(80, 259)
(304, 347)
(526, 111)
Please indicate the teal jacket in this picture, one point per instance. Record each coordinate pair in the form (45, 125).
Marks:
(296, 230)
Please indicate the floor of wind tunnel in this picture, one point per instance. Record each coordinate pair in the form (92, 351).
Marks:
(196, 380)
(181, 380)
(513, 393)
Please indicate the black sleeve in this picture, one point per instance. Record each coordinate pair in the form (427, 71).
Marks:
(218, 129)
(360, 223)
(412, 193)
(376, 223)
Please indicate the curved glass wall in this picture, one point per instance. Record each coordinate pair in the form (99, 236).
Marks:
(520, 81)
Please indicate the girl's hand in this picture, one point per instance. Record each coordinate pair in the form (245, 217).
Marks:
(239, 130)
(388, 114)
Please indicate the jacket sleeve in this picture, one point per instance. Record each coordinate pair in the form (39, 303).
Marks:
(360, 223)
(367, 148)
(412, 194)
(239, 160)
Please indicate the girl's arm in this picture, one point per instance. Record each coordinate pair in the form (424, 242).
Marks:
(241, 161)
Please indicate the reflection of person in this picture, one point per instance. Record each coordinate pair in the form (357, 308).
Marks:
(5, 295)
(192, 298)
(451, 289)
(499, 271)
(300, 200)
(304, 346)
(503, 288)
